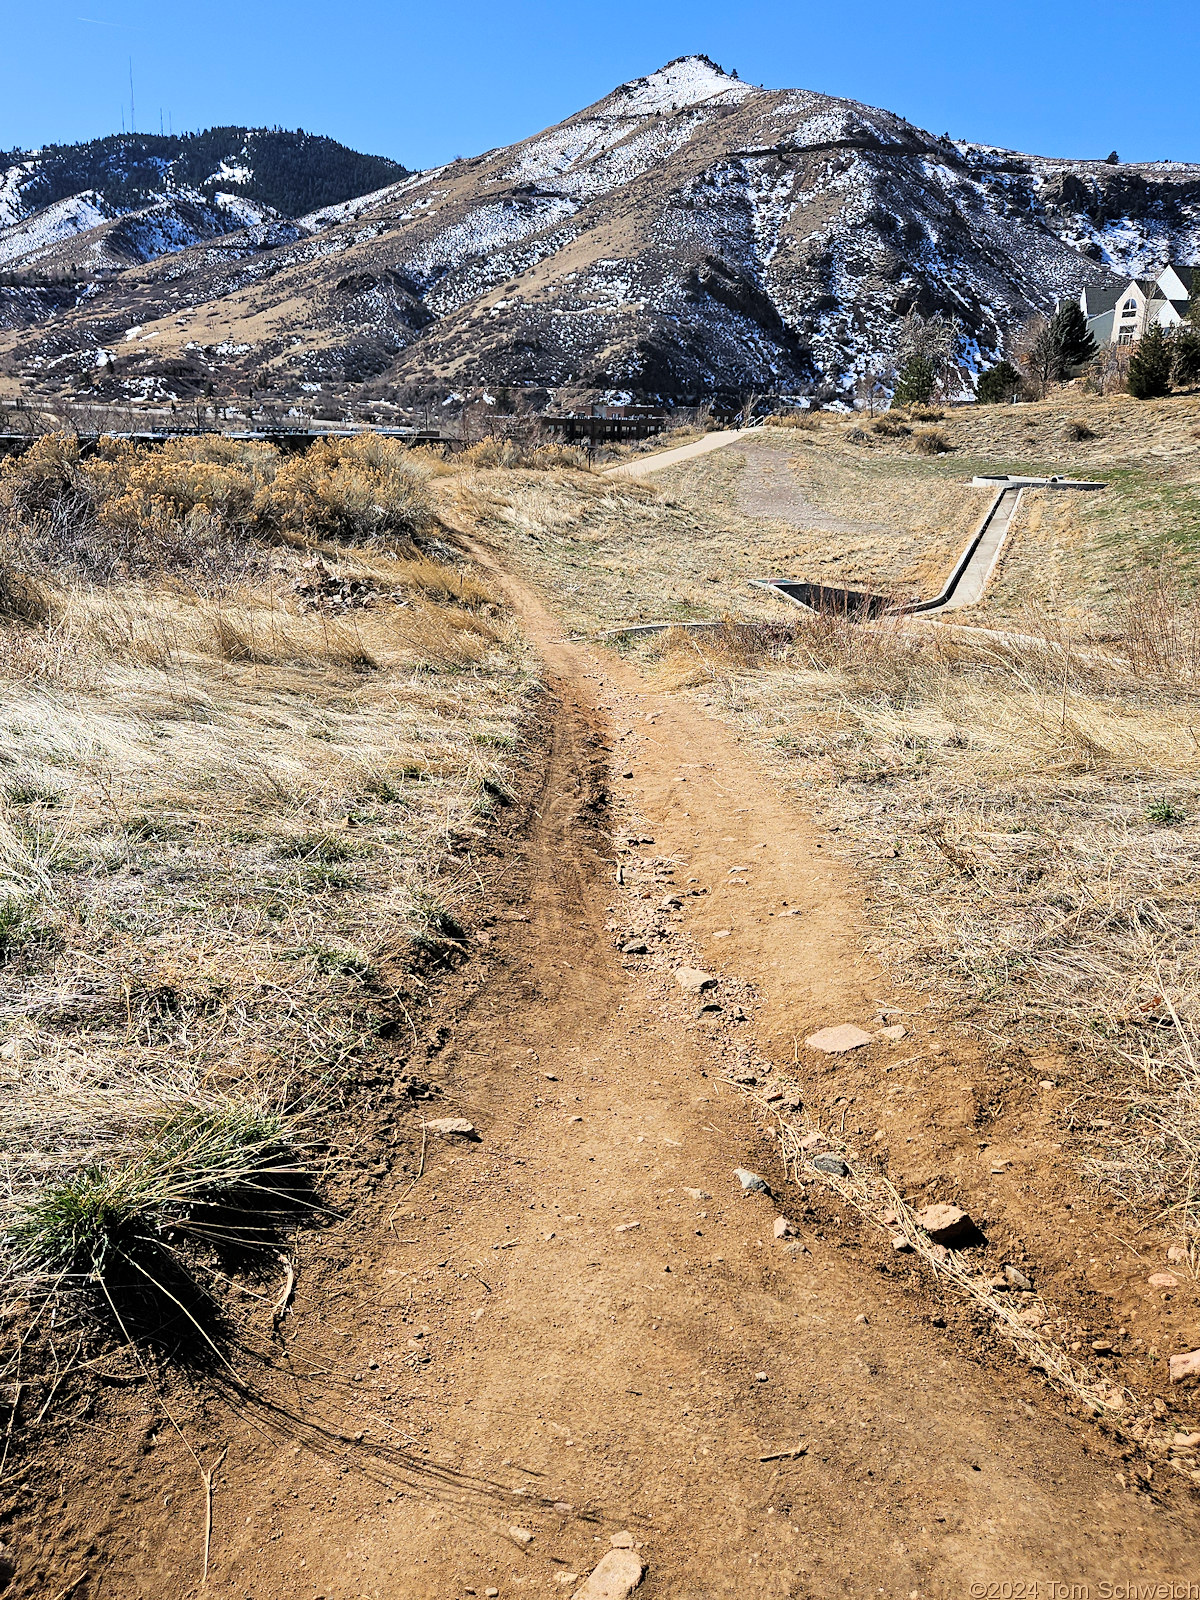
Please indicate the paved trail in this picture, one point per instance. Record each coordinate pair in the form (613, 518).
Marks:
(517, 1355)
(643, 466)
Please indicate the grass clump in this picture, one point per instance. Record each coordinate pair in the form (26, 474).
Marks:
(238, 1156)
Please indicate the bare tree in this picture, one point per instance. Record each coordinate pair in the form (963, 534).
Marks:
(930, 344)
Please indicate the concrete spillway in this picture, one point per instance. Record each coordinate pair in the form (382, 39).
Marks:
(968, 580)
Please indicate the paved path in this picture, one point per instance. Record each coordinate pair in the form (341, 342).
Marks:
(642, 466)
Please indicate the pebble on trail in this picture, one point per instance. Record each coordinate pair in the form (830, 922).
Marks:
(835, 1041)
(617, 1576)
(834, 1165)
(751, 1182)
(947, 1224)
(452, 1128)
(693, 981)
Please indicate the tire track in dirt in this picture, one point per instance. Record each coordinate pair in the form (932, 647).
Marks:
(562, 1332)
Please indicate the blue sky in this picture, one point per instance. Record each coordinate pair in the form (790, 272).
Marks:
(424, 83)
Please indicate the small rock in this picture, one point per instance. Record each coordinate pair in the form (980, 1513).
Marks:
(615, 1578)
(812, 1141)
(622, 1541)
(563, 1507)
(1102, 1347)
(452, 1128)
(1182, 1367)
(895, 1032)
(1186, 1441)
(566, 1577)
(835, 1041)
(1177, 1253)
(900, 1244)
(635, 947)
(1163, 1280)
(751, 1182)
(760, 1377)
(626, 1227)
(1016, 1277)
(831, 1164)
(861, 1319)
(1046, 1083)
(521, 1536)
(784, 1228)
(722, 933)
(693, 981)
(491, 1593)
(671, 903)
(888, 1217)
(947, 1224)
(697, 1194)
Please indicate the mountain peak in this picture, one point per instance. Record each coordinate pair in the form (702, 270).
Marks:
(686, 81)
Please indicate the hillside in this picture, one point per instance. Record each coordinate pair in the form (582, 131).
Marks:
(687, 233)
(71, 210)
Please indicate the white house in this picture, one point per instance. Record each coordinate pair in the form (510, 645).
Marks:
(1122, 315)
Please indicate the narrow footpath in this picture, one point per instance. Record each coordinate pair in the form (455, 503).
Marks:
(578, 1330)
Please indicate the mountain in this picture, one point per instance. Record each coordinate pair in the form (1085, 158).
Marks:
(687, 234)
(58, 206)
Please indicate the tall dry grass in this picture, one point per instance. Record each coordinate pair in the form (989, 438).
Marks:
(1028, 809)
(251, 728)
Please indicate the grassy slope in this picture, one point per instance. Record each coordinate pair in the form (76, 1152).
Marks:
(1026, 818)
(237, 814)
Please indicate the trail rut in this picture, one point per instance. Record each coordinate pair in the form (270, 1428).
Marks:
(579, 1326)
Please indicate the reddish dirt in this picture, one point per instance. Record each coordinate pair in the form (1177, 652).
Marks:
(497, 1347)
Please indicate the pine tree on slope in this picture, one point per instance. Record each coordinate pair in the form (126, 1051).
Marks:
(1073, 339)
(1150, 365)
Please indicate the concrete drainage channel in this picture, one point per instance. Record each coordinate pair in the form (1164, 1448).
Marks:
(964, 587)
(966, 583)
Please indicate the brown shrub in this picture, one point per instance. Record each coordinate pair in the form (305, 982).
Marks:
(930, 442)
(366, 489)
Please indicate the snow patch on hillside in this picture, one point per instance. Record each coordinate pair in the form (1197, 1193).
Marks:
(32, 238)
(682, 83)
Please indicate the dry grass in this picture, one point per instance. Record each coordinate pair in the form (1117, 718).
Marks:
(238, 802)
(1030, 821)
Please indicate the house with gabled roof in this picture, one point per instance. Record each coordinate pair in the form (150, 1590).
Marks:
(1122, 315)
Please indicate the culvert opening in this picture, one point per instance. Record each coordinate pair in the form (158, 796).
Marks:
(856, 605)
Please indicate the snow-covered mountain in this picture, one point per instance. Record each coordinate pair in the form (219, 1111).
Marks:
(686, 234)
(58, 205)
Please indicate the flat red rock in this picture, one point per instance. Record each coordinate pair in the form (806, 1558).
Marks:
(833, 1041)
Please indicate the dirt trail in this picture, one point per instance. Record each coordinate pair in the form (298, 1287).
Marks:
(516, 1354)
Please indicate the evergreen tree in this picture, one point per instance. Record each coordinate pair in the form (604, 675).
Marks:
(915, 382)
(998, 384)
(1073, 340)
(1150, 365)
(1185, 370)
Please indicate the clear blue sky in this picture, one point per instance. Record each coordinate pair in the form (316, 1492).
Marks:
(424, 83)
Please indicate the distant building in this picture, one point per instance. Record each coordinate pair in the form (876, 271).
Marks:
(1122, 315)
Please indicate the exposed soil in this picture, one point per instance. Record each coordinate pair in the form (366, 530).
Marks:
(578, 1325)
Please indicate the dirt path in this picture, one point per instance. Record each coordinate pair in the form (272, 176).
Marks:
(578, 1326)
(643, 466)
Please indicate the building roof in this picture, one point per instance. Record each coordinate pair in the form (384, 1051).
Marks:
(1095, 301)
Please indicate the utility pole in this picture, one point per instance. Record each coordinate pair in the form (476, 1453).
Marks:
(132, 114)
